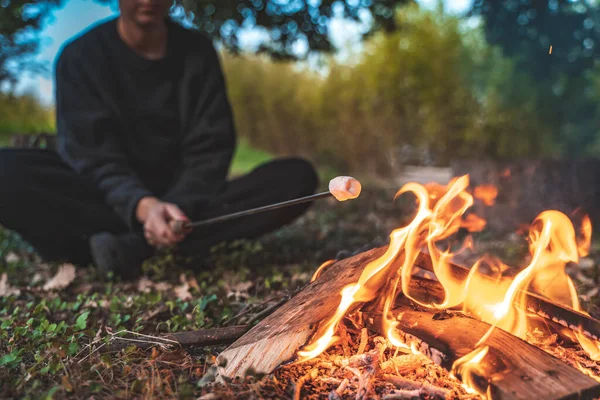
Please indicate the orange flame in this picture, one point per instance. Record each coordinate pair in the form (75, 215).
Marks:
(321, 269)
(497, 300)
(474, 223)
(583, 245)
(468, 369)
(486, 193)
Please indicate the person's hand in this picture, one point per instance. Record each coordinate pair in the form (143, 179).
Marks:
(156, 216)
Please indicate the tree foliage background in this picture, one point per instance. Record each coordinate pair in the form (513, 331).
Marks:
(425, 87)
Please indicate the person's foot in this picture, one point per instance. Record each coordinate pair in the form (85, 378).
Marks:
(122, 255)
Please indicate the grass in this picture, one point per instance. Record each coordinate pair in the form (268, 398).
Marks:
(247, 158)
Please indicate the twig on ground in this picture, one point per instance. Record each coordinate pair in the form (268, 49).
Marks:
(204, 337)
(267, 311)
(404, 364)
(403, 394)
(343, 334)
(242, 312)
(337, 393)
(364, 339)
(312, 374)
(422, 387)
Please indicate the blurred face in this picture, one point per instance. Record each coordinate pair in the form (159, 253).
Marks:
(145, 13)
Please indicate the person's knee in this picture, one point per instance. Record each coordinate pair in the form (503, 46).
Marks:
(302, 173)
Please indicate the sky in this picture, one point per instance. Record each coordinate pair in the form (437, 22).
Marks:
(78, 15)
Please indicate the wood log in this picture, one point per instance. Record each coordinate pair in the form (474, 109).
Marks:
(513, 369)
(542, 306)
(203, 337)
(277, 338)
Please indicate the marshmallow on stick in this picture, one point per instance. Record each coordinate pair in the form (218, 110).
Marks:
(344, 188)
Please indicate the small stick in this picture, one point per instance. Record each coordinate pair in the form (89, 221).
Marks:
(267, 311)
(343, 334)
(364, 338)
(312, 374)
(337, 393)
(403, 394)
(404, 364)
(422, 387)
(203, 337)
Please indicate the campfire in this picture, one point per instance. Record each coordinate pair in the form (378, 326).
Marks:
(409, 320)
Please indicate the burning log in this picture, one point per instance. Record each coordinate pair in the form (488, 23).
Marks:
(541, 306)
(487, 354)
(512, 368)
(276, 339)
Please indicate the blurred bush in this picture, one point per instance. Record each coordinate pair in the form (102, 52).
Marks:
(432, 91)
(23, 114)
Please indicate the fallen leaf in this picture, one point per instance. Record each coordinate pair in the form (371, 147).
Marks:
(240, 290)
(243, 286)
(66, 383)
(98, 336)
(12, 257)
(183, 292)
(173, 356)
(144, 285)
(37, 277)
(193, 283)
(62, 279)
(162, 286)
(6, 289)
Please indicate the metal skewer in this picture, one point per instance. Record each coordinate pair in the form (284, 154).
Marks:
(184, 226)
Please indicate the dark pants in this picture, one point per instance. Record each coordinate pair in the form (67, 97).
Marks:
(56, 210)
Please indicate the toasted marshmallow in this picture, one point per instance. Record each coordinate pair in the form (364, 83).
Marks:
(344, 188)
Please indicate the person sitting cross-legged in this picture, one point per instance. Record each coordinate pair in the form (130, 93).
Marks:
(145, 136)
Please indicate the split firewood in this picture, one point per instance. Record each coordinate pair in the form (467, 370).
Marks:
(277, 338)
(513, 368)
(542, 306)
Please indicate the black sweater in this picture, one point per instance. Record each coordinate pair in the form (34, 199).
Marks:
(139, 127)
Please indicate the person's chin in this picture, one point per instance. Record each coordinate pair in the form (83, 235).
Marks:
(148, 21)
